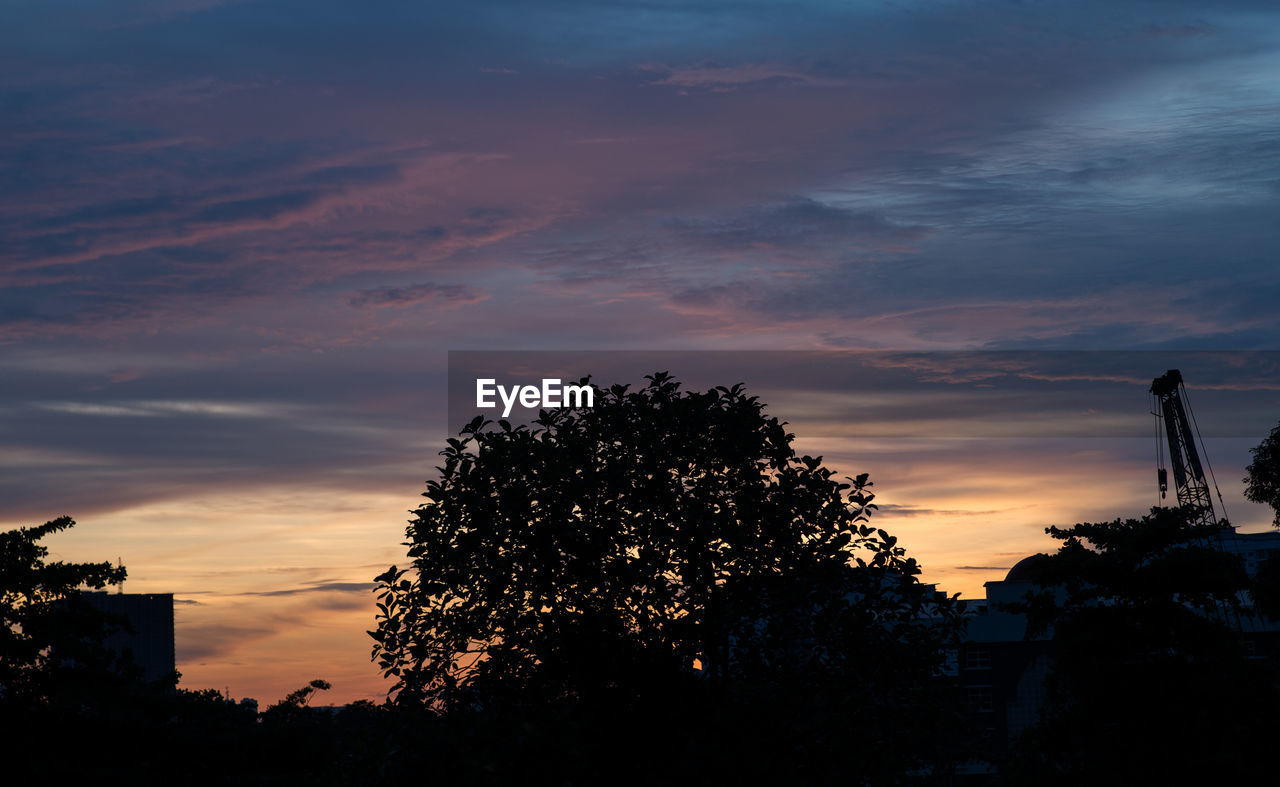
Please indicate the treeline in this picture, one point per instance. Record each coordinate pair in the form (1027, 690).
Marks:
(658, 590)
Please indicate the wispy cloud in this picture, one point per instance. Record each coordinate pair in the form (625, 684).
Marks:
(415, 294)
(320, 587)
(716, 77)
(153, 408)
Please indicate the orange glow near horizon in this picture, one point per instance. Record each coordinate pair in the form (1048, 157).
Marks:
(271, 585)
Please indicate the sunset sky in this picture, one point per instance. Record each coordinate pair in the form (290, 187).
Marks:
(239, 238)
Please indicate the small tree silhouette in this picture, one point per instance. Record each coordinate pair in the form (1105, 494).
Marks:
(51, 641)
(1262, 484)
(1151, 682)
(301, 698)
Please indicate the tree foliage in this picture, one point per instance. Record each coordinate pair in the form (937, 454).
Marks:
(613, 548)
(1145, 617)
(1160, 567)
(297, 701)
(51, 643)
(1262, 484)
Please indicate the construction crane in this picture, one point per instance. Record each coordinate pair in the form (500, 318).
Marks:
(1190, 485)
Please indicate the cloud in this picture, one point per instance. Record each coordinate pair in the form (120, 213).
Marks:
(798, 225)
(200, 642)
(915, 511)
(364, 588)
(716, 77)
(147, 409)
(413, 295)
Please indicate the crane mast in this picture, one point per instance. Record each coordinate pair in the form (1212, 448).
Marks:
(1188, 475)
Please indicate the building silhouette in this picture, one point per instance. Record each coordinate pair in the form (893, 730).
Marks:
(148, 636)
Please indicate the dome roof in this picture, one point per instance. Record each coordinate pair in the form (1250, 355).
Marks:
(1021, 571)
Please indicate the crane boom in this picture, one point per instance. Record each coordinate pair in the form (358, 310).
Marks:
(1188, 474)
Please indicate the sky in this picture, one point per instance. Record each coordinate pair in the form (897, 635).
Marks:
(238, 240)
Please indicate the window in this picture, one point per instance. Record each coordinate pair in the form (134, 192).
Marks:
(980, 699)
(977, 657)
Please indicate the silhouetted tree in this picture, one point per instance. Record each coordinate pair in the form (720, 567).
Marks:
(1151, 680)
(52, 642)
(301, 698)
(663, 543)
(1262, 484)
